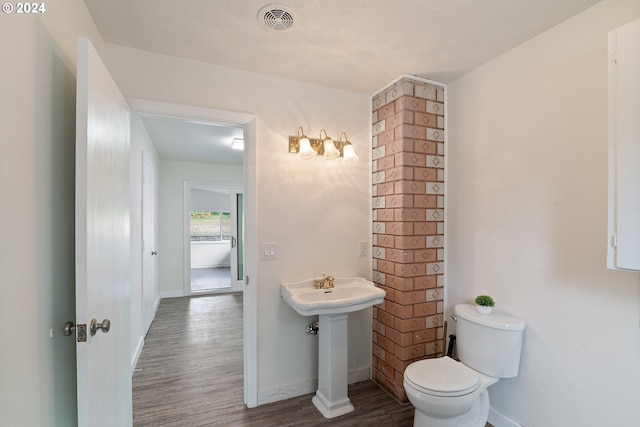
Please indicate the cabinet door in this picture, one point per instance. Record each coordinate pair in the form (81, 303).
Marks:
(624, 148)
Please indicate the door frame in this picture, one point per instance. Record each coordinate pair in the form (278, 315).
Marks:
(233, 188)
(249, 122)
(237, 233)
(148, 219)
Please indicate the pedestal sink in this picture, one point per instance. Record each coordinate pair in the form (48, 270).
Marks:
(333, 306)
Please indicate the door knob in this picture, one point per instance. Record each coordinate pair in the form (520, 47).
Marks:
(154, 252)
(103, 326)
(69, 328)
(234, 242)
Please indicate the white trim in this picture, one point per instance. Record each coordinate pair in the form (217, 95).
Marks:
(156, 305)
(306, 387)
(359, 375)
(445, 257)
(251, 264)
(498, 420)
(171, 294)
(136, 354)
(250, 306)
(156, 108)
(408, 77)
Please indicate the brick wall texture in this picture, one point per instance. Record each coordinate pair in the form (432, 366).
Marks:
(408, 228)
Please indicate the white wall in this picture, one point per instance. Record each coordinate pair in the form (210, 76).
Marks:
(141, 145)
(37, 152)
(206, 254)
(317, 212)
(527, 221)
(172, 177)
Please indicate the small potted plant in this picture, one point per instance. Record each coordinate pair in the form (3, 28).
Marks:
(484, 304)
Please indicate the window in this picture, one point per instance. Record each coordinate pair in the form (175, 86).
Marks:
(210, 226)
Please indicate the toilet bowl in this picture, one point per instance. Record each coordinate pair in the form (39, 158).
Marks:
(447, 393)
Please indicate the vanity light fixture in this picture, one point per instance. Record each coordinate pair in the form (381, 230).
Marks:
(237, 144)
(307, 148)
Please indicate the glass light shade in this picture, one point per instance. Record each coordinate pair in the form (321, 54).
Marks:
(237, 144)
(349, 153)
(330, 150)
(306, 152)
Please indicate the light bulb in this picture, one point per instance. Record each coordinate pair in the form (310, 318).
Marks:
(330, 150)
(349, 154)
(306, 152)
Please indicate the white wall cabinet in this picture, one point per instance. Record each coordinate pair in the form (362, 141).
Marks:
(624, 148)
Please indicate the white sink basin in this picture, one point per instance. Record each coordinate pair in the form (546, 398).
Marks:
(348, 294)
(332, 306)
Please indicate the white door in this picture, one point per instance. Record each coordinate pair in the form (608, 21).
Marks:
(624, 147)
(148, 245)
(102, 245)
(237, 240)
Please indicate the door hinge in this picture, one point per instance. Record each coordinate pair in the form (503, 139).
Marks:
(614, 241)
(81, 330)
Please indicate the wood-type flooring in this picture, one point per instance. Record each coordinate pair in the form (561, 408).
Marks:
(190, 373)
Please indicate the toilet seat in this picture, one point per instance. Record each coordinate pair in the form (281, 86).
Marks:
(442, 377)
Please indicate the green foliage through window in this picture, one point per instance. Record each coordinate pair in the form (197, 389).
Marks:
(210, 226)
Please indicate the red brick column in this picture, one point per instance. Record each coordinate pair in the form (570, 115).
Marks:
(408, 228)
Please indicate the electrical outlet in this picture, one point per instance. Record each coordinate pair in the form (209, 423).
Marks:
(363, 248)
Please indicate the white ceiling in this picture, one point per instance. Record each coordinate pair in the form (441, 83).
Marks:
(189, 141)
(354, 45)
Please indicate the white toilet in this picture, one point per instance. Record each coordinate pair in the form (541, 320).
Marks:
(446, 393)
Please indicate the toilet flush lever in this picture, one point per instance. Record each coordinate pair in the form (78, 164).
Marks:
(455, 318)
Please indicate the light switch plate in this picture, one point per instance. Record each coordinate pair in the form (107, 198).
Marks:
(363, 248)
(269, 250)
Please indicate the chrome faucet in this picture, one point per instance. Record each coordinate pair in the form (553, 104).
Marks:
(325, 283)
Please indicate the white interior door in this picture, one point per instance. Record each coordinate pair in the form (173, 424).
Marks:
(148, 245)
(102, 245)
(624, 147)
(237, 240)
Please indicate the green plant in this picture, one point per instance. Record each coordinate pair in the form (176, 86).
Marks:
(485, 300)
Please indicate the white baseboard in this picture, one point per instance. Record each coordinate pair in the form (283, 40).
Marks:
(359, 375)
(287, 392)
(156, 305)
(136, 354)
(171, 294)
(498, 420)
(305, 387)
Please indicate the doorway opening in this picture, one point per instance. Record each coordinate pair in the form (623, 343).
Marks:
(247, 254)
(214, 238)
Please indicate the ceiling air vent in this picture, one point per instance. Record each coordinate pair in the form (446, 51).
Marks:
(276, 17)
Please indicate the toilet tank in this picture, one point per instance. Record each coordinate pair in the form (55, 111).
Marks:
(489, 344)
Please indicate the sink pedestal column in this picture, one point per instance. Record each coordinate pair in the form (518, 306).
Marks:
(331, 399)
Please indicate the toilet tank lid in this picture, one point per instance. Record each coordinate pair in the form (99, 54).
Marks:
(493, 320)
